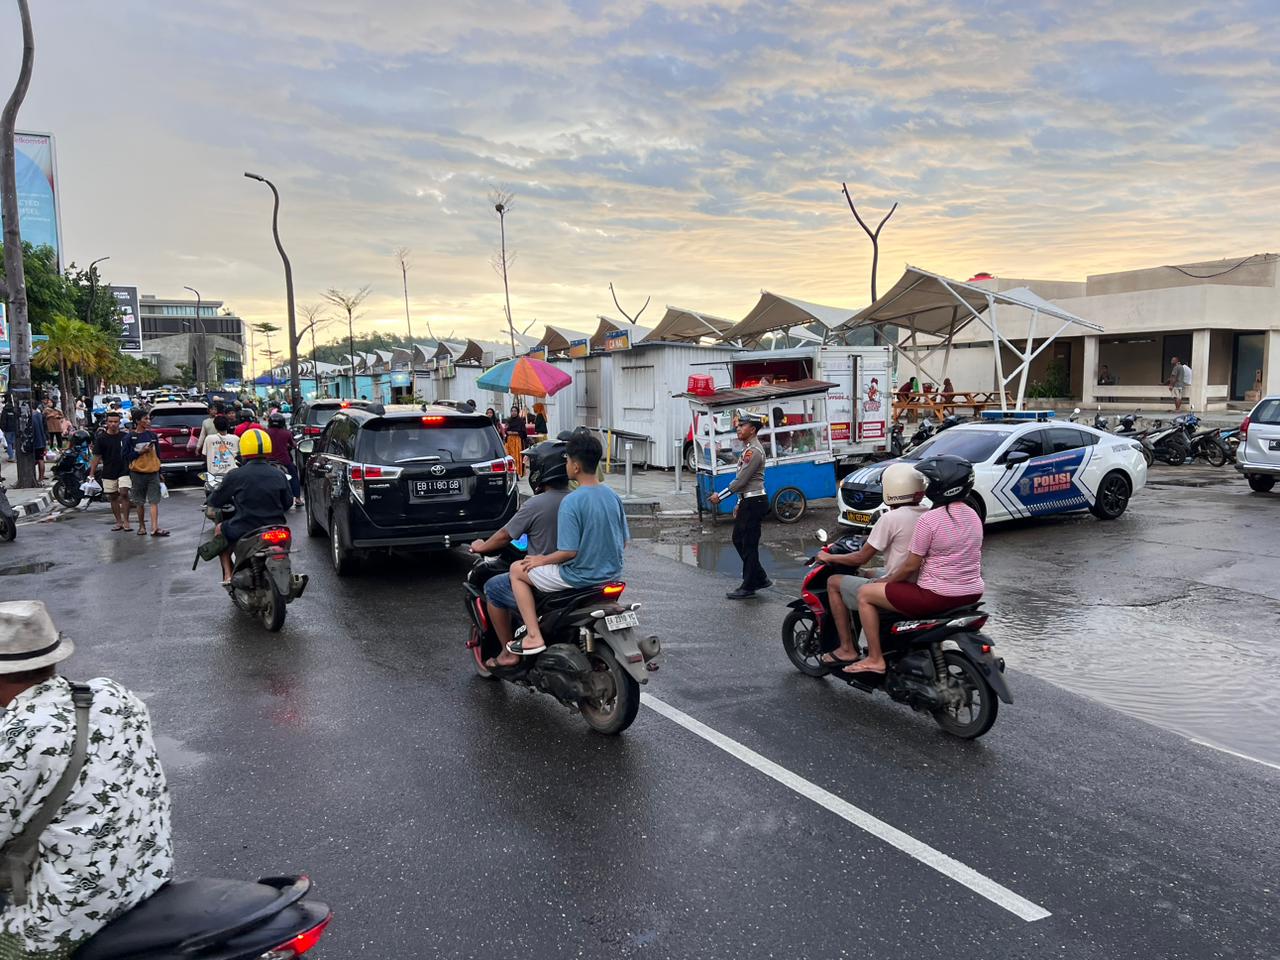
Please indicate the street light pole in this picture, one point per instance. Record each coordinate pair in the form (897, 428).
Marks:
(199, 360)
(93, 289)
(295, 387)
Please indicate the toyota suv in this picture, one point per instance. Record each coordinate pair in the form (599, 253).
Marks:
(428, 477)
(175, 424)
(1258, 455)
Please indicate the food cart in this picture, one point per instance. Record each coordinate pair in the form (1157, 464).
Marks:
(799, 464)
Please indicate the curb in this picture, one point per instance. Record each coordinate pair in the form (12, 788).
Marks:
(33, 508)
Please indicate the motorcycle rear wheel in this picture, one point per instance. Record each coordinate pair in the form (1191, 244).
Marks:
(612, 714)
(477, 655)
(8, 529)
(801, 643)
(965, 721)
(66, 492)
(1215, 451)
(273, 611)
(1174, 454)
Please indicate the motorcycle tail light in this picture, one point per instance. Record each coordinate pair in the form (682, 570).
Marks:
(972, 622)
(297, 946)
(278, 537)
(613, 590)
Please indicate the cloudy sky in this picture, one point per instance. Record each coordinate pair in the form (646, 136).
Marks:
(684, 150)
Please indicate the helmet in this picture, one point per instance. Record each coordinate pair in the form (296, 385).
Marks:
(255, 443)
(81, 436)
(547, 464)
(949, 478)
(902, 484)
(276, 419)
(757, 420)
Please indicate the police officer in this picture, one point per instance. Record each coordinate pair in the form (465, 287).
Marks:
(753, 504)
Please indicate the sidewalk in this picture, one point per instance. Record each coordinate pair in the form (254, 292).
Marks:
(28, 503)
(652, 492)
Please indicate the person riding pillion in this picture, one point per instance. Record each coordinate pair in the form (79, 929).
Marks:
(753, 504)
(257, 489)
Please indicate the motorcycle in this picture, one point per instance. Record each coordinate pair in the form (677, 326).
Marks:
(8, 516)
(594, 663)
(263, 583)
(71, 472)
(1165, 442)
(1203, 443)
(923, 432)
(940, 665)
(209, 919)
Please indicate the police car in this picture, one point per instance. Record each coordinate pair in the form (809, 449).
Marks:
(1021, 469)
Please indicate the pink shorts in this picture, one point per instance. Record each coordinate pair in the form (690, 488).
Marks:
(918, 602)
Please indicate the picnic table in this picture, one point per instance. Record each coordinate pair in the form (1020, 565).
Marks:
(940, 405)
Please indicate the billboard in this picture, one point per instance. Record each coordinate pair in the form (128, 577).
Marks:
(617, 340)
(35, 163)
(130, 321)
(579, 348)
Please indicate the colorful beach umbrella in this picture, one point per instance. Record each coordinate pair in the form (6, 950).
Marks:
(524, 376)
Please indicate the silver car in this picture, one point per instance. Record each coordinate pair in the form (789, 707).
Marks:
(1258, 456)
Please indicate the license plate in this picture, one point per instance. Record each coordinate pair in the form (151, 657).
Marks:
(1273, 444)
(620, 621)
(436, 488)
(855, 517)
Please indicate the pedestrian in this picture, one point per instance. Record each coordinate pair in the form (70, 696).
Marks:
(753, 504)
(9, 424)
(1179, 383)
(83, 851)
(516, 426)
(39, 441)
(493, 418)
(108, 449)
(540, 421)
(219, 448)
(282, 447)
(247, 422)
(143, 458)
(206, 427)
(80, 411)
(54, 424)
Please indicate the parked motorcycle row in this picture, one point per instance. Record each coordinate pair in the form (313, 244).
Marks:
(1175, 442)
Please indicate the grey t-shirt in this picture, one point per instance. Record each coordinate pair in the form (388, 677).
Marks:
(538, 519)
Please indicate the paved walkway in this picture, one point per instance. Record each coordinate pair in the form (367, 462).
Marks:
(31, 501)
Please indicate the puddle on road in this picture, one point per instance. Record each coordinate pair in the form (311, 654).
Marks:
(784, 561)
(39, 566)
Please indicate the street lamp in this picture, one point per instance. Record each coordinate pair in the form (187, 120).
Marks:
(93, 287)
(295, 388)
(199, 361)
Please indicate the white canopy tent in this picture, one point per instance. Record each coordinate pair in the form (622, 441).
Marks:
(688, 326)
(931, 305)
(608, 325)
(774, 312)
(557, 339)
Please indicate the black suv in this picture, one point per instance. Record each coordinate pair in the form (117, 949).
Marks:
(311, 417)
(426, 477)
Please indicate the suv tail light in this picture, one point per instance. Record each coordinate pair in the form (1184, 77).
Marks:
(297, 946)
(309, 431)
(504, 465)
(358, 473)
(1244, 429)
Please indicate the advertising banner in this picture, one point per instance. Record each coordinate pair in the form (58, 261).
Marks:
(539, 354)
(37, 177)
(130, 321)
(873, 380)
(4, 324)
(579, 348)
(617, 340)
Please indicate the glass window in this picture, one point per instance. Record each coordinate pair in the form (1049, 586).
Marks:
(1032, 443)
(1268, 412)
(1062, 439)
(189, 417)
(975, 445)
(401, 441)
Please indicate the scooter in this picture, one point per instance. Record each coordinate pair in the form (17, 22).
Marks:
(263, 583)
(1206, 444)
(208, 919)
(940, 665)
(594, 662)
(923, 432)
(70, 472)
(1167, 443)
(8, 516)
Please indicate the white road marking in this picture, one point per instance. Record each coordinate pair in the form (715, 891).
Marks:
(1242, 756)
(984, 886)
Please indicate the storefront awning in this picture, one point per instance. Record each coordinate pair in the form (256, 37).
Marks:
(681, 325)
(557, 339)
(774, 312)
(607, 325)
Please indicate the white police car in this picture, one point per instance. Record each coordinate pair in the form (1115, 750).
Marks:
(1021, 469)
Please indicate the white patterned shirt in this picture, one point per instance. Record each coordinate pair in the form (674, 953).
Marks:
(110, 845)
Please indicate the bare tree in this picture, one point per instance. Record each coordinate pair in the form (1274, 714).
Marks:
(316, 319)
(350, 303)
(874, 235)
(502, 200)
(630, 319)
(402, 258)
(14, 289)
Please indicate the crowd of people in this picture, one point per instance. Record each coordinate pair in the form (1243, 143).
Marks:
(523, 428)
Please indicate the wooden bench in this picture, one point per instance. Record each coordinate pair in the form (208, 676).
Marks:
(940, 405)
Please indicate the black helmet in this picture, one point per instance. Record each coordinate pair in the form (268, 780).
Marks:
(276, 419)
(547, 464)
(81, 436)
(949, 478)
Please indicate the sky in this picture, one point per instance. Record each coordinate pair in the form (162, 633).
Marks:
(685, 151)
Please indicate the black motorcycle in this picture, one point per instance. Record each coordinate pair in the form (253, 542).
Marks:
(70, 471)
(209, 919)
(8, 516)
(263, 583)
(1206, 444)
(594, 662)
(957, 687)
(923, 432)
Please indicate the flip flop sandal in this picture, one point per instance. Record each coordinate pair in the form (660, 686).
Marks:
(159, 533)
(520, 650)
(862, 673)
(835, 661)
(142, 531)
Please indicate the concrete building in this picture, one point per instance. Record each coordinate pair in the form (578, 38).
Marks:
(1221, 317)
(173, 334)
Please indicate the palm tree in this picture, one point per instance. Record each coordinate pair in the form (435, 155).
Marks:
(70, 343)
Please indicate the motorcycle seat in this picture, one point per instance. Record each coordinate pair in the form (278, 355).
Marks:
(174, 913)
(566, 598)
(889, 617)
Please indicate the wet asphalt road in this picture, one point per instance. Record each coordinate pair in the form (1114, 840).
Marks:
(447, 816)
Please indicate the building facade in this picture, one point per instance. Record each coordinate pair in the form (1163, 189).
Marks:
(212, 344)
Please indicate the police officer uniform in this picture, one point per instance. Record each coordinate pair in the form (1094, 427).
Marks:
(753, 504)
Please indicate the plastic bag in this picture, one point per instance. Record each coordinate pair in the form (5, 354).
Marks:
(91, 488)
(164, 490)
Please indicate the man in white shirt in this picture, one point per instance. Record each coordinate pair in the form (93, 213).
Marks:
(903, 489)
(1179, 383)
(107, 845)
(220, 448)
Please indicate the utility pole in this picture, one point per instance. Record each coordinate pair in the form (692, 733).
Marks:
(14, 289)
(295, 386)
(198, 359)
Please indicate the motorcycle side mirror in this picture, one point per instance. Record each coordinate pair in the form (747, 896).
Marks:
(821, 535)
(306, 447)
(1015, 457)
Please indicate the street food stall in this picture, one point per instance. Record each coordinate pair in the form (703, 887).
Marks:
(799, 463)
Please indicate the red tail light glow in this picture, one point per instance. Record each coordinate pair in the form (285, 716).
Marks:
(1244, 429)
(299, 944)
(432, 421)
(311, 431)
(503, 465)
(613, 590)
(278, 536)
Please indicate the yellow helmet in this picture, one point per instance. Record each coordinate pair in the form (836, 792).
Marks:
(255, 443)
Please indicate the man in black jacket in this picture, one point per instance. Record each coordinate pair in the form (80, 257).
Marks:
(259, 492)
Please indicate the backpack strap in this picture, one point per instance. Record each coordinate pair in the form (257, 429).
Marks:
(19, 855)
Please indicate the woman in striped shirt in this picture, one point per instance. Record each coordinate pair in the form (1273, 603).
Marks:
(945, 553)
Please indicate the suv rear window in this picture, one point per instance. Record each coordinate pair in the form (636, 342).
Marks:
(398, 441)
(319, 416)
(1268, 412)
(192, 417)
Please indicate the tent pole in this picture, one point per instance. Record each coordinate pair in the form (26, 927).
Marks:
(995, 343)
(915, 348)
(951, 335)
(1026, 357)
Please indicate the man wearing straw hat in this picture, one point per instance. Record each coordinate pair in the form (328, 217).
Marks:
(84, 809)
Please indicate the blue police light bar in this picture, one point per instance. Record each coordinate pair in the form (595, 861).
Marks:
(1018, 414)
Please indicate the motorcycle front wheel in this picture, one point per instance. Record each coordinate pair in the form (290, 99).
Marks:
(67, 492)
(8, 529)
(1215, 451)
(800, 640)
(974, 707)
(614, 712)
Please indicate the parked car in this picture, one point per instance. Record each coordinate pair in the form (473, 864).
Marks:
(311, 417)
(176, 424)
(414, 477)
(1258, 455)
(1021, 469)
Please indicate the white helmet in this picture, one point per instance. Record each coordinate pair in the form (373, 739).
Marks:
(902, 484)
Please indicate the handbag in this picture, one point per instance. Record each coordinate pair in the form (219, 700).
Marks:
(146, 462)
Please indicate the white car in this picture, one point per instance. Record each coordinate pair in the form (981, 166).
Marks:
(1021, 469)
